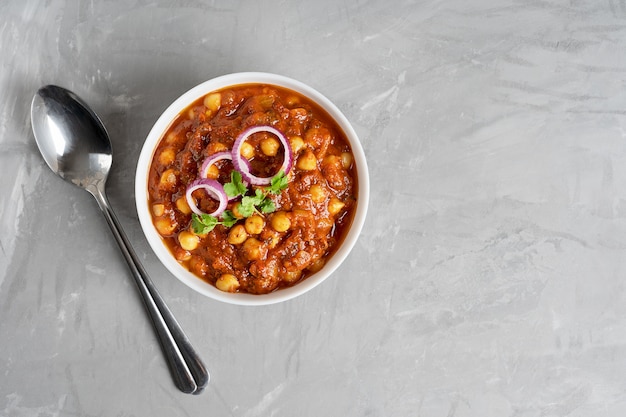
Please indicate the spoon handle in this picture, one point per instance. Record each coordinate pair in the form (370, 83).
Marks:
(189, 373)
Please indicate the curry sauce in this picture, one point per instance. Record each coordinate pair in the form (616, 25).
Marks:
(262, 252)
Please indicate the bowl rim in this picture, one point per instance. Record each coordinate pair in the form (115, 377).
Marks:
(154, 239)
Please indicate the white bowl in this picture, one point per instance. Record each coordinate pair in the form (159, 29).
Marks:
(155, 240)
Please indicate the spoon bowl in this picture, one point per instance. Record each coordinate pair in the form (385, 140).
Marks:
(71, 137)
(76, 146)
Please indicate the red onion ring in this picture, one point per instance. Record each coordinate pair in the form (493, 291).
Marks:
(214, 189)
(244, 168)
(219, 156)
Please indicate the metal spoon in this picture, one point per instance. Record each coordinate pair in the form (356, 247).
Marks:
(76, 146)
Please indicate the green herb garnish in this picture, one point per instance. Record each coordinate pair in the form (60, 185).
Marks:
(259, 202)
(235, 187)
(202, 224)
(279, 182)
(267, 206)
(249, 203)
(228, 218)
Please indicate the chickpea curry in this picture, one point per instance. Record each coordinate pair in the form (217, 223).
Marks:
(253, 188)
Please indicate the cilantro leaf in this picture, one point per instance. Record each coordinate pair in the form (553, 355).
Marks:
(258, 195)
(249, 205)
(203, 224)
(267, 206)
(246, 207)
(258, 203)
(228, 218)
(279, 182)
(235, 187)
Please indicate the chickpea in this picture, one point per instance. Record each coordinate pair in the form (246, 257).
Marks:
(332, 160)
(325, 224)
(198, 266)
(165, 226)
(318, 193)
(270, 146)
(212, 172)
(302, 257)
(254, 224)
(195, 112)
(168, 179)
(213, 101)
(158, 209)
(236, 212)
(266, 101)
(300, 114)
(307, 161)
(247, 150)
(183, 206)
(188, 240)
(292, 100)
(227, 283)
(280, 221)
(182, 255)
(346, 160)
(215, 147)
(237, 235)
(316, 265)
(314, 138)
(292, 276)
(252, 249)
(335, 206)
(296, 143)
(167, 156)
(171, 138)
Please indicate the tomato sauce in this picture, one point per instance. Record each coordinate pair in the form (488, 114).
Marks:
(266, 251)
